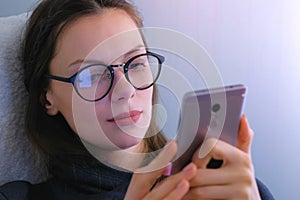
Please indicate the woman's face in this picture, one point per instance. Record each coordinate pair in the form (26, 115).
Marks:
(122, 117)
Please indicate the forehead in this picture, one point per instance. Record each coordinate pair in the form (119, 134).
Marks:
(104, 36)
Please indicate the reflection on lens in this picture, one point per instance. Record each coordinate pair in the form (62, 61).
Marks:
(93, 82)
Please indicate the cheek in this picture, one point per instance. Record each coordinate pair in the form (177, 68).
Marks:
(63, 101)
(88, 122)
(85, 115)
(80, 114)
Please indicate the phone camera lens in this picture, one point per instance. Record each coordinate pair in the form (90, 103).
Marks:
(216, 107)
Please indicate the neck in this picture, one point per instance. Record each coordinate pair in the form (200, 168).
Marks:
(128, 159)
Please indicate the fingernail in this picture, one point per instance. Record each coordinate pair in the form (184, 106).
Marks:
(245, 118)
(188, 168)
(168, 170)
(181, 184)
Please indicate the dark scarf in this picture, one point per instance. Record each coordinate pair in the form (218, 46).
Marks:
(87, 175)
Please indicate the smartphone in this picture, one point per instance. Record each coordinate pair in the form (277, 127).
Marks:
(208, 113)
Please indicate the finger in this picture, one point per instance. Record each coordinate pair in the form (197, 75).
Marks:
(219, 150)
(199, 158)
(245, 136)
(174, 183)
(206, 177)
(211, 192)
(161, 160)
(143, 178)
(171, 194)
(181, 189)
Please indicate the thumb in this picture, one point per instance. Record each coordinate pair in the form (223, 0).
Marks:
(161, 160)
(144, 178)
(245, 136)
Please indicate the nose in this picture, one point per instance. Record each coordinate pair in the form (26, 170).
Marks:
(122, 90)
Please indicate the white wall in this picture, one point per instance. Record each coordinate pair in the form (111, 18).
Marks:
(12, 7)
(252, 42)
(256, 43)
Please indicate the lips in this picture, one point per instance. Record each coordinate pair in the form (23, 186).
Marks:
(126, 118)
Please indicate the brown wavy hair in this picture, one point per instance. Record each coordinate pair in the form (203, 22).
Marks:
(51, 134)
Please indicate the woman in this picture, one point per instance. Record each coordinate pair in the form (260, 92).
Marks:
(83, 63)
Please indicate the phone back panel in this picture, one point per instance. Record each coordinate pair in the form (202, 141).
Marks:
(208, 113)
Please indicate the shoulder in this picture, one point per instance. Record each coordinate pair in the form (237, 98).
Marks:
(15, 190)
(23, 190)
(264, 192)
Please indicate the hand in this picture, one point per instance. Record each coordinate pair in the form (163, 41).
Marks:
(235, 179)
(173, 187)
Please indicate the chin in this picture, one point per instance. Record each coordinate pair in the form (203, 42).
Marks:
(126, 137)
(127, 142)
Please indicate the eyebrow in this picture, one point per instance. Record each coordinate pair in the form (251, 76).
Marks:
(80, 61)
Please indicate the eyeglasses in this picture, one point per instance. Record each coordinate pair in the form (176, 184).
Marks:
(93, 82)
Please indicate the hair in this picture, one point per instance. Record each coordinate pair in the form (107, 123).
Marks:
(51, 134)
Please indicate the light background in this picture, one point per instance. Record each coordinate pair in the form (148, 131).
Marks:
(253, 42)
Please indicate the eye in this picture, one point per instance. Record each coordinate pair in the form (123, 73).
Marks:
(136, 65)
(139, 64)
(106, 75)
(95, 77)
(100, 76)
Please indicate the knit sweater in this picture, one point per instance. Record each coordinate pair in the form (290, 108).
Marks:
(86, 180)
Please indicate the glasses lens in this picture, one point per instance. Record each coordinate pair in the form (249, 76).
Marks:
(143, 71)
(93, 82)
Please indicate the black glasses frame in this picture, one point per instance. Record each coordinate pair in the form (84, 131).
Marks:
(125, 66)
